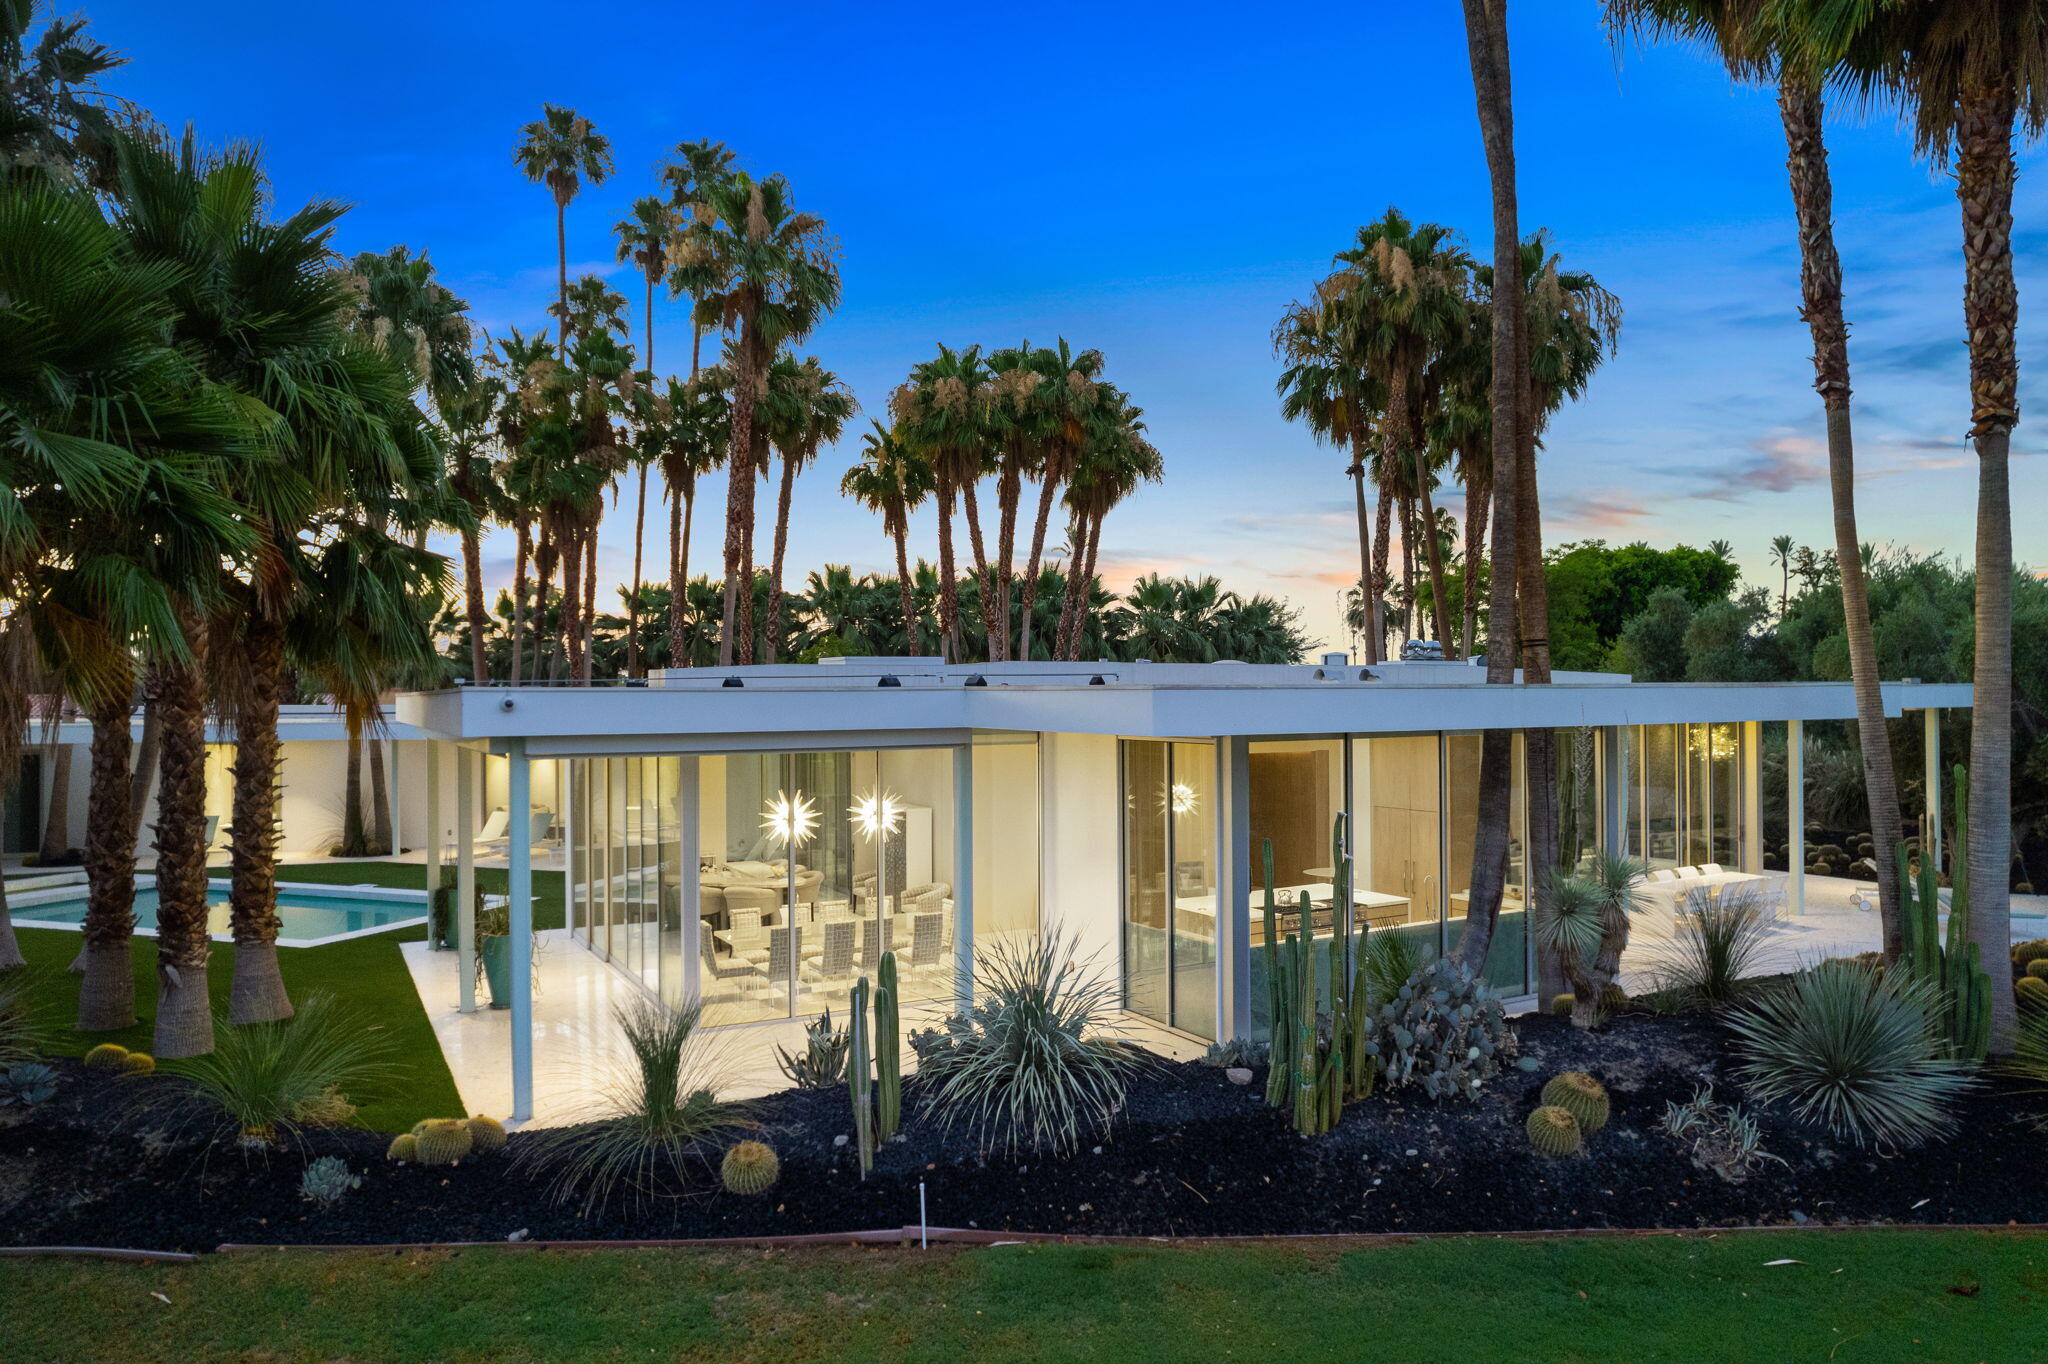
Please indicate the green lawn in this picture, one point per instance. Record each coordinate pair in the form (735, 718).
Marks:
(368, 974)
(1874, 1295)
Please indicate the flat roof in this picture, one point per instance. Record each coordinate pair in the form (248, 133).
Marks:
(882, 702)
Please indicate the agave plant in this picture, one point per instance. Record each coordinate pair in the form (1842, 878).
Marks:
(665, 1114)
(1037, 1060)
(1855, 1051)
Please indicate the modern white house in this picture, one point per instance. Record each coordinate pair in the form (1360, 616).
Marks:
(751, 839)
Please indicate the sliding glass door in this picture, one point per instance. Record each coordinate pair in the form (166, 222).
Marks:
(1170, 899)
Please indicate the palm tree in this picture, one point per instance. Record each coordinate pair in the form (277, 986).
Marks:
(1781, 554)
(1070, 401)
(469, 417)
(890, 482)
(644, 238)
(562, 150)
(527, 365)
(59, 122)
(591, 307)
(937, 413)
(696, 168)
(821, 406)
(1803, 46)
(1486, 38)
(771, 273)
(695, 422)
(1115, 462)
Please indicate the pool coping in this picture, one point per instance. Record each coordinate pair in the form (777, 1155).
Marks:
(29, 899)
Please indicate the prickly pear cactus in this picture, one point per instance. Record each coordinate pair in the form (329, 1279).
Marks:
(1444, 1031)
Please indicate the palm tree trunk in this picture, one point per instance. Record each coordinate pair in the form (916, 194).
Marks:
(1077, 542)
(1486, 40)
(1820, 276)
(380, 799)
(142, 778)
(1047, 486)
(1435, 553)
(57, 819)
(1009, 491)
(106, 993)
(257, 994)
(1369, 607)
(1382, 551)
(782, 499)
(354, 839)
(1477, 498)
(184, 1012)
(681, 509)
(910, 628)
(949, 596)
(584, 658)
(1984, 185)
(739, 506)
(983, 576)
(523, 531)
(562, 273)
(10, 946)
(479, 618)
(633, 601)
(572, 601)
(1077, 628)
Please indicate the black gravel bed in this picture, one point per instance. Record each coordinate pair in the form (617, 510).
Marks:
(1192, 1154)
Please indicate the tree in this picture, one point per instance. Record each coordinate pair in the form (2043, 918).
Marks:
(771, 273)
(54, 118)
(469, 417)
(693, 423)
(937, 413)
(1781, 555)
(820, 405)
(1070, 403)
(561, 150)
(890, 482)
(696, 167)
(644, 238)
(1115, 461)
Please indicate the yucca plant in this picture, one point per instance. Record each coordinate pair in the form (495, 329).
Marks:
(1854, 1051)
(21, 1032)
(1391, 960)
(1714, 955)
(665, 1114)
(265, 1078)
(1037, 1061)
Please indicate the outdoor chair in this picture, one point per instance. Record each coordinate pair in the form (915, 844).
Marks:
(834, 959)
(718, 967)
(1711, 869)
(927, 940)
(1662, 874)
(747, 934)
(1688, 873)
(1697, 900)
(876, 937)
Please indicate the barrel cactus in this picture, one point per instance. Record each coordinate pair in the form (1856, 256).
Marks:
(2038, 968)
(750, 1167)
(442, 1141)
(1580, 1095)
(1553, 1130)
(106, 1056)
(404, 1146)
(2026, 953)
(486, 1135)
(137, 1063)
(1562, 1005)
(2032, 992)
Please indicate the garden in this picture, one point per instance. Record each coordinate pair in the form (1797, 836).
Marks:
(1396, 1096)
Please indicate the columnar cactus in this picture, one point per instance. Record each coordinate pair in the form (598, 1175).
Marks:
(1318, 1058)
(888, 1051)
(1955, 967)
(750, 1167)
(860, 1083)
(1579, 1094)
(1553, 1131)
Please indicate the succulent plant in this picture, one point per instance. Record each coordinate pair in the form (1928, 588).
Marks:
(486, 1135)
(138, 1063)
(31, 1082)
(404, 1146)
(1445, 1030)
(1553, 1130)
(750, 1167)
(327, 1181)
(1579, 1094)
(1562, 1005)
(442, 1141)
(106, 1056)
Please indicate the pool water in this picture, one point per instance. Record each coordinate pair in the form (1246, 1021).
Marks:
(304, 916)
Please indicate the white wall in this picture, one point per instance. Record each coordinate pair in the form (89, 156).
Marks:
(1082, 826)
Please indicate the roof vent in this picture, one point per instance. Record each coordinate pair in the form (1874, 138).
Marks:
(732, 682)
(1096, 681)
(888, 680)
(1368, 675)
(1335, 661)
(977, 680)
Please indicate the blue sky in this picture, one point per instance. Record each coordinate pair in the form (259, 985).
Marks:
(1158, 182)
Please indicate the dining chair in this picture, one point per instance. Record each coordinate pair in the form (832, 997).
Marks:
(927, 939)
(835, 956)
(876, 937)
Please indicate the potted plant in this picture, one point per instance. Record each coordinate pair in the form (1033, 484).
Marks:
(494, 952)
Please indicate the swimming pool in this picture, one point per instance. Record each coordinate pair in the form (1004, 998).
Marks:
(309, 914)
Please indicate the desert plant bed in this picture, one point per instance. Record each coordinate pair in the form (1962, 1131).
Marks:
(1192, 1153)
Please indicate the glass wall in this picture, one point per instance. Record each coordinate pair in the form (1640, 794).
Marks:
(1169, 897)
(1507, 959)
(624, 818)
(1684, 793)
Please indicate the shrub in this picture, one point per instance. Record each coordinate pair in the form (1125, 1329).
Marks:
(822, 1063)
(1037, 1060)
(329, 1108)
(1238, 1051)
(404, 1146)
(750, 1167)
(264, 1077)
(327, 1181)
(1579, 1094)
(1391, 959)
(1714, 953)
(486, 1135)
(1553, 1131)
(27, 1082)
(106, 1056)
(1444, 1030)
(1858, 1053)
(664, 1113)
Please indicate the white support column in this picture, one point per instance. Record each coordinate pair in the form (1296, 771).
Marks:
(1931, 838)
(519, 805)
(963, 873)
(1613, 799)
(1795, 811)
(465, 877)
(433, 848)
(688, 839)
(395, 805)
(1233, 888)
(1752, 845)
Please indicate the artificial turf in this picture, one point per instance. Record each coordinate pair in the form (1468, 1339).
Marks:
(367, 975)
(1843, 1296)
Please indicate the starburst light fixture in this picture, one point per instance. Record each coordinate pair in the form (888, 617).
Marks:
(876, 814)
(1183, 799)
(791, 818)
